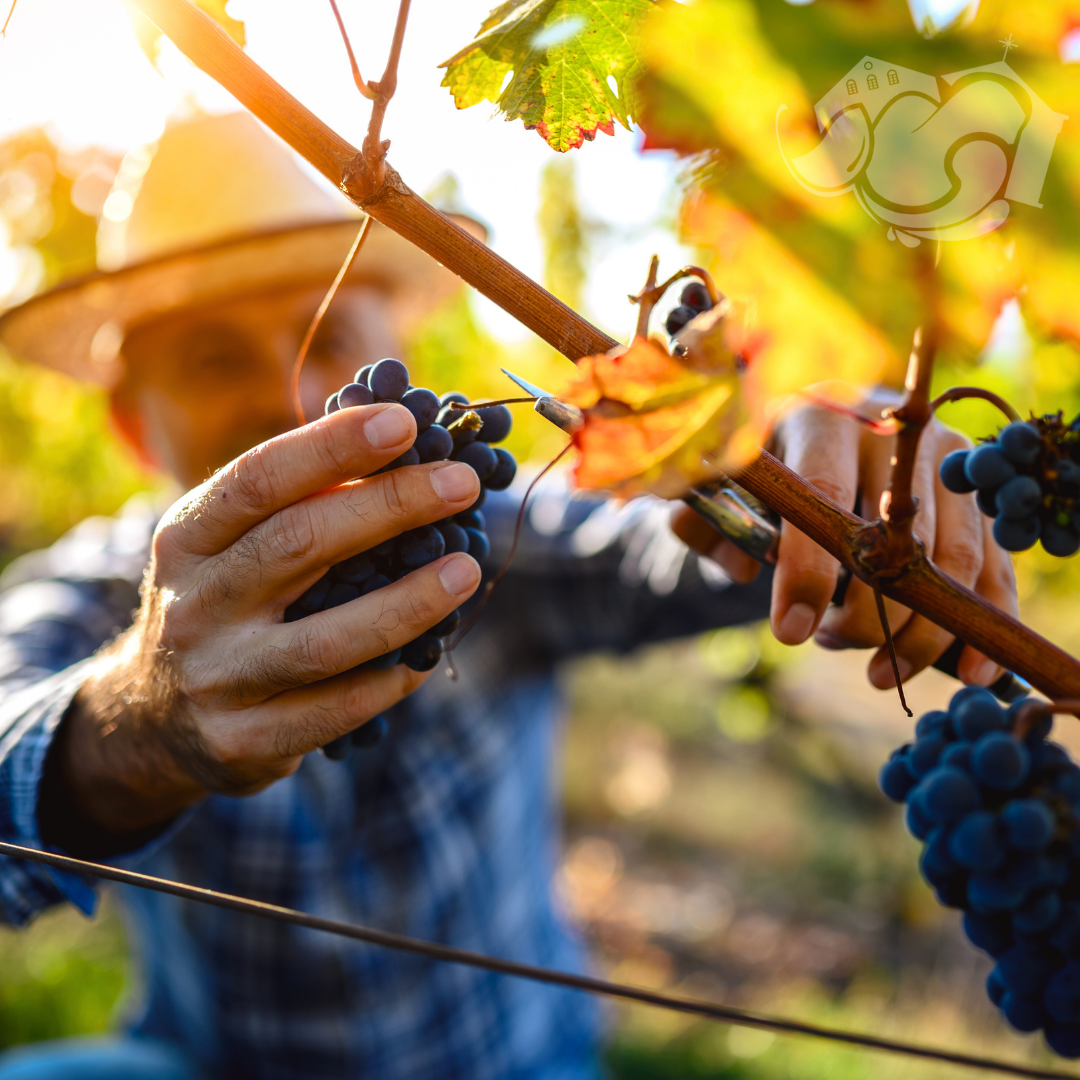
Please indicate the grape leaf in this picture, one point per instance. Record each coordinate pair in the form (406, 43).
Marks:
(558, 56)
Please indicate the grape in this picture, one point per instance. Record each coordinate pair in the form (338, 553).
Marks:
(1038, 914)
(455, 538)
(383, 663)
(695, 296)
(434, 444)
(340, 593)
(993, 892)
(947, 794)
(424, 406)
(1059, 540)
(995, 985)
(958, 756)
(1020, 442)
(331, 405)
(373, 583)
(1063, 995)
(315, 597)
(1026, 969)
(1016, 535)
(1019, 498)
(986, 501)
(1024, 1013)
(1000, 761)
(480, 457)
(1063, 1039)
(991, 933)
(471, 519)
(677, 318)
(423, 653)
(952, 473)
(1068, 472)
(354, 394)
(931, 723)
(498, 420)
(937, 864)
(421, 546)
(372, 733)
(448, 625)
(895, 779)
(987, 467)
(356, 570)
(395, 558)
(389, 380)
(974, 842)
(479, 547)
(975, 712)
(1029, 824)
(504, 473)
(337, 749)
(917, 825)
(923, 756)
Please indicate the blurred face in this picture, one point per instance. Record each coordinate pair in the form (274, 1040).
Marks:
(205, 385)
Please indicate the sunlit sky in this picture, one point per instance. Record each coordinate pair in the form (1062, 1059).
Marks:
(75, 65)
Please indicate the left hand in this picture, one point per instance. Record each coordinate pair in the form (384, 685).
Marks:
(850, 464)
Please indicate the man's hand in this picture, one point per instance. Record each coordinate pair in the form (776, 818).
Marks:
(210, 691)
(852, 466)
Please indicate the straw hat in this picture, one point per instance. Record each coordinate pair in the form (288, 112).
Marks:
(218, 207)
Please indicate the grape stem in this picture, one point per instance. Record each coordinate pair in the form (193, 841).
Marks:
(883, 616)
(320, 314)
(1029, 713)
(361, 85)
(960, 393)
(11, 11)
(651, 294)
(910, 579)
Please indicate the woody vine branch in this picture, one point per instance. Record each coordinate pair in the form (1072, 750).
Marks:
(876, 552)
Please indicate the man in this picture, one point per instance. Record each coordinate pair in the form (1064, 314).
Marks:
(184, 746)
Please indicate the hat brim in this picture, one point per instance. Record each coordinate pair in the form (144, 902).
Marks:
(76, 327)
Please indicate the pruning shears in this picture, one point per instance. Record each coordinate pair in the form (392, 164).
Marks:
(748, 524)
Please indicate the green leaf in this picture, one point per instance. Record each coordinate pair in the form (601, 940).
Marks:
(559, 55)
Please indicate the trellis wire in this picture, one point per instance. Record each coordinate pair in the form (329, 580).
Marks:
(586, 983)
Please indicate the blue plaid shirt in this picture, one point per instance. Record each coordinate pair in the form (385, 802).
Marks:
(448, 831)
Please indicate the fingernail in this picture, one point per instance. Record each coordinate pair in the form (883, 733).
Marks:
(796, 625)
(388, 427)
(985, 673)
(459, 574)
(454, 482)
(905, 667)
(828, 640)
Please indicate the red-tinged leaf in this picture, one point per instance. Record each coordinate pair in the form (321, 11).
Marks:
(549, 62)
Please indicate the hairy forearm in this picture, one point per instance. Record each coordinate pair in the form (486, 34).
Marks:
(114, 769)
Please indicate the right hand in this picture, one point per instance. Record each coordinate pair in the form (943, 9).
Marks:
(209, 690)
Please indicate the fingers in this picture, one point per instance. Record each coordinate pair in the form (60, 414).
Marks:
(698, 535)
(959, 550)
(824, 449)
(298, 721)
(332, 450)
(856, 624)
(274, 562)
(295, 654)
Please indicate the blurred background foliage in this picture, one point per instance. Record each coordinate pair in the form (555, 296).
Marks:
(725, 835)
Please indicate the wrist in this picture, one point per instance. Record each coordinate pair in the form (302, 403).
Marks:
(110, 755)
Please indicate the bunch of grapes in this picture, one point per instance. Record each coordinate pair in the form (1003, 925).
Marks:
(996, 805)
(1028, 480)
(693, 300)
(443, 432)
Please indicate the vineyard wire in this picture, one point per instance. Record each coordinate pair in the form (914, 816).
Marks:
(588, 984)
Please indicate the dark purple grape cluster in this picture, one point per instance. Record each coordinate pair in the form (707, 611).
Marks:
(1028, 481)
(693, 300)
(443, 432)
(996, 804)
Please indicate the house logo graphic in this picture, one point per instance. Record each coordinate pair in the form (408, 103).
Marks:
(931, 158)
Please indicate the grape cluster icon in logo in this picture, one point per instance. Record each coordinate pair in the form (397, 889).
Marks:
(935, 158)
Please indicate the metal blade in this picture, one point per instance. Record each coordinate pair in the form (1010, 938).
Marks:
(526, 386)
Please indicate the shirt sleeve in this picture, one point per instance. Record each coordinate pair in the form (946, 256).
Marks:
(591, 574)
